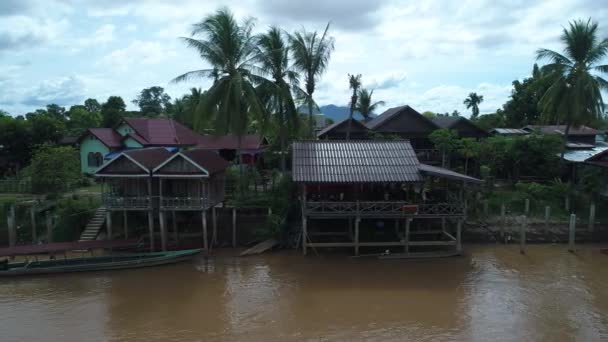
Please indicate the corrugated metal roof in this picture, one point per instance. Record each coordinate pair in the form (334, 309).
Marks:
(445, 173)
(390, 113)
(206, 159)
(160, 131)
(509, 131)
(356, 124)
(560, 129)
(354, 162)
(149, 157)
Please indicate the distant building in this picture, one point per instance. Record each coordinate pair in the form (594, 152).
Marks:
(580, 135)
(463, 126)
(337, 130)
(509, 132)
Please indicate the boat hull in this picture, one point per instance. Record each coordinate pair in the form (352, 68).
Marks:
(104, 263)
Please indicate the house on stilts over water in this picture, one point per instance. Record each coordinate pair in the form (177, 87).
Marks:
(376, 194)
(164, 185)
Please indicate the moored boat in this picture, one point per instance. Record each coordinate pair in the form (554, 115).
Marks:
(98, 263)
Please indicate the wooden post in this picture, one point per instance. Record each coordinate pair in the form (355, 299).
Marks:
(214, 223)
(547, 217)
(396, 226)
(406, 248)
(304, 233)
(125, 224)
(485, 208)
(357, 235)
(571, 233)
(503, 220)
(163, 230)
(12, 229)
(443, 224)
(233, 227)
(592, 217)
(33, 219)
(174, 222)
(567, 203)
(205, 241)
(522, 235)
(109, 224)
(527, 207)
(269, 211)
(459, 236)
(49, 227)
(151, 229)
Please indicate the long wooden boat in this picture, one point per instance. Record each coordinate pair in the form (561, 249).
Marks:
(99, 263)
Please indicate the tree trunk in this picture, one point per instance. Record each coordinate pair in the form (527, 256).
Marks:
(565, 143)
(310, 120)
(466, 166)
(350, 117)
(282, 134)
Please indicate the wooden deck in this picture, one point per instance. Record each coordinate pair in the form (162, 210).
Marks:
(382, 209)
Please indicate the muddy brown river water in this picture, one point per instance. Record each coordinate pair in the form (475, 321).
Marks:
(491, 294)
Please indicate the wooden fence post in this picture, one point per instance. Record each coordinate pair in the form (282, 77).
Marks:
(571, 233)
(49, 227)
(592, 217)
(503, 220)
(109, 224)
(12, 229)
(233, 227)
(459, 236)
(547, 217)
(522, 235)
(33, 220)
(567, 203)
(485, 208)
(527, 207)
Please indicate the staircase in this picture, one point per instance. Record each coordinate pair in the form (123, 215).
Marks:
(94, 226)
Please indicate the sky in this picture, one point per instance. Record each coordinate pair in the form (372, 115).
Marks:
(428, 54)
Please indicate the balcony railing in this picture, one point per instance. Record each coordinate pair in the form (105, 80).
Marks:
(120, 202)
(184, 203)
(383, 209)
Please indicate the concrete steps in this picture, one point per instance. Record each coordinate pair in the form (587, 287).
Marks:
(92, 229)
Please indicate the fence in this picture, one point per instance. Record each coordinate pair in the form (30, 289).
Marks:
(15, 186)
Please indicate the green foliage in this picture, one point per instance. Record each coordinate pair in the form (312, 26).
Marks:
(47, 128)
(112, 111)
(472, 102)
(73, 215)
(494, 120)
(592, 180)
(445, 140)
(54, 169)
(512, 157)
(153, 102)
(468, 148)
(365, 105)
(311, 53)
(81, 119)
(16, 142)
(522, 107)
(574, 96)
(92, 106)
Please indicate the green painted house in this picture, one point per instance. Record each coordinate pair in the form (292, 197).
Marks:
(100, 144)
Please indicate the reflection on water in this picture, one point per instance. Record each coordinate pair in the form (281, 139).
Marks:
(493, 293)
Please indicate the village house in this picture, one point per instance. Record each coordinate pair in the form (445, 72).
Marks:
(382, 193)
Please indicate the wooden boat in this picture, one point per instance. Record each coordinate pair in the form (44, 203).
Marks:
(100, 263)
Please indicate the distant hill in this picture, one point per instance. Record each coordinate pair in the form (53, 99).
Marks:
(336, 113)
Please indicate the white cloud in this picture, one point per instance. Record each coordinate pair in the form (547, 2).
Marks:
(20, 32)
(62, 91)
(137, 53)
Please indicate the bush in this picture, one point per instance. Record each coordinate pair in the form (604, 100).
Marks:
(73, 215)
(54, 169)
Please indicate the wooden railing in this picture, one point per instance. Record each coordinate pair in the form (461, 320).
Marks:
(184, 203)
(120, 202)
(383, 209)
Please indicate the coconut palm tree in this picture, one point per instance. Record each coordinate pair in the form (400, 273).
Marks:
(365, 106)
(472, 102)
(229, 47)
(311, 53)
(354, 83)
(273, 58)
(575, 98)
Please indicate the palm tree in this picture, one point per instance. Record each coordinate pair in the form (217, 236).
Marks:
(575, 96)
(365, 105)
(472, 102)
(229, 47)
(354, 83)
(311, 53)
(273, 58)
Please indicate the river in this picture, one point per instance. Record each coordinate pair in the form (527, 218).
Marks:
(491, 294)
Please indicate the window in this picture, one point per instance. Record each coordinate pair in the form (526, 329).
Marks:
(94, 159)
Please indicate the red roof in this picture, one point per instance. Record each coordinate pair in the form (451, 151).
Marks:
(205, 159)
(159, 131)
(231, 142)
(107, 136)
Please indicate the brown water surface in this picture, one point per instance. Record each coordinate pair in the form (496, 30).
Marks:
(491, 294)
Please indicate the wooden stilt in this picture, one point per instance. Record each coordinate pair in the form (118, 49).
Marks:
(233, 227)
(592, 217)
(459, 236)
(214, 223)
(34, 227)
(527, 207)
(151, 229)
(163, 230)
(357, 220)
(12, 229)
(109, 225)
(406, 248)
(443, 224)
(571, 233)
(547, 217)
(174, 222)
(125, 224)
(49, 227)
(503, 221)
(205, 241)
(522, 234)
(304, 234)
